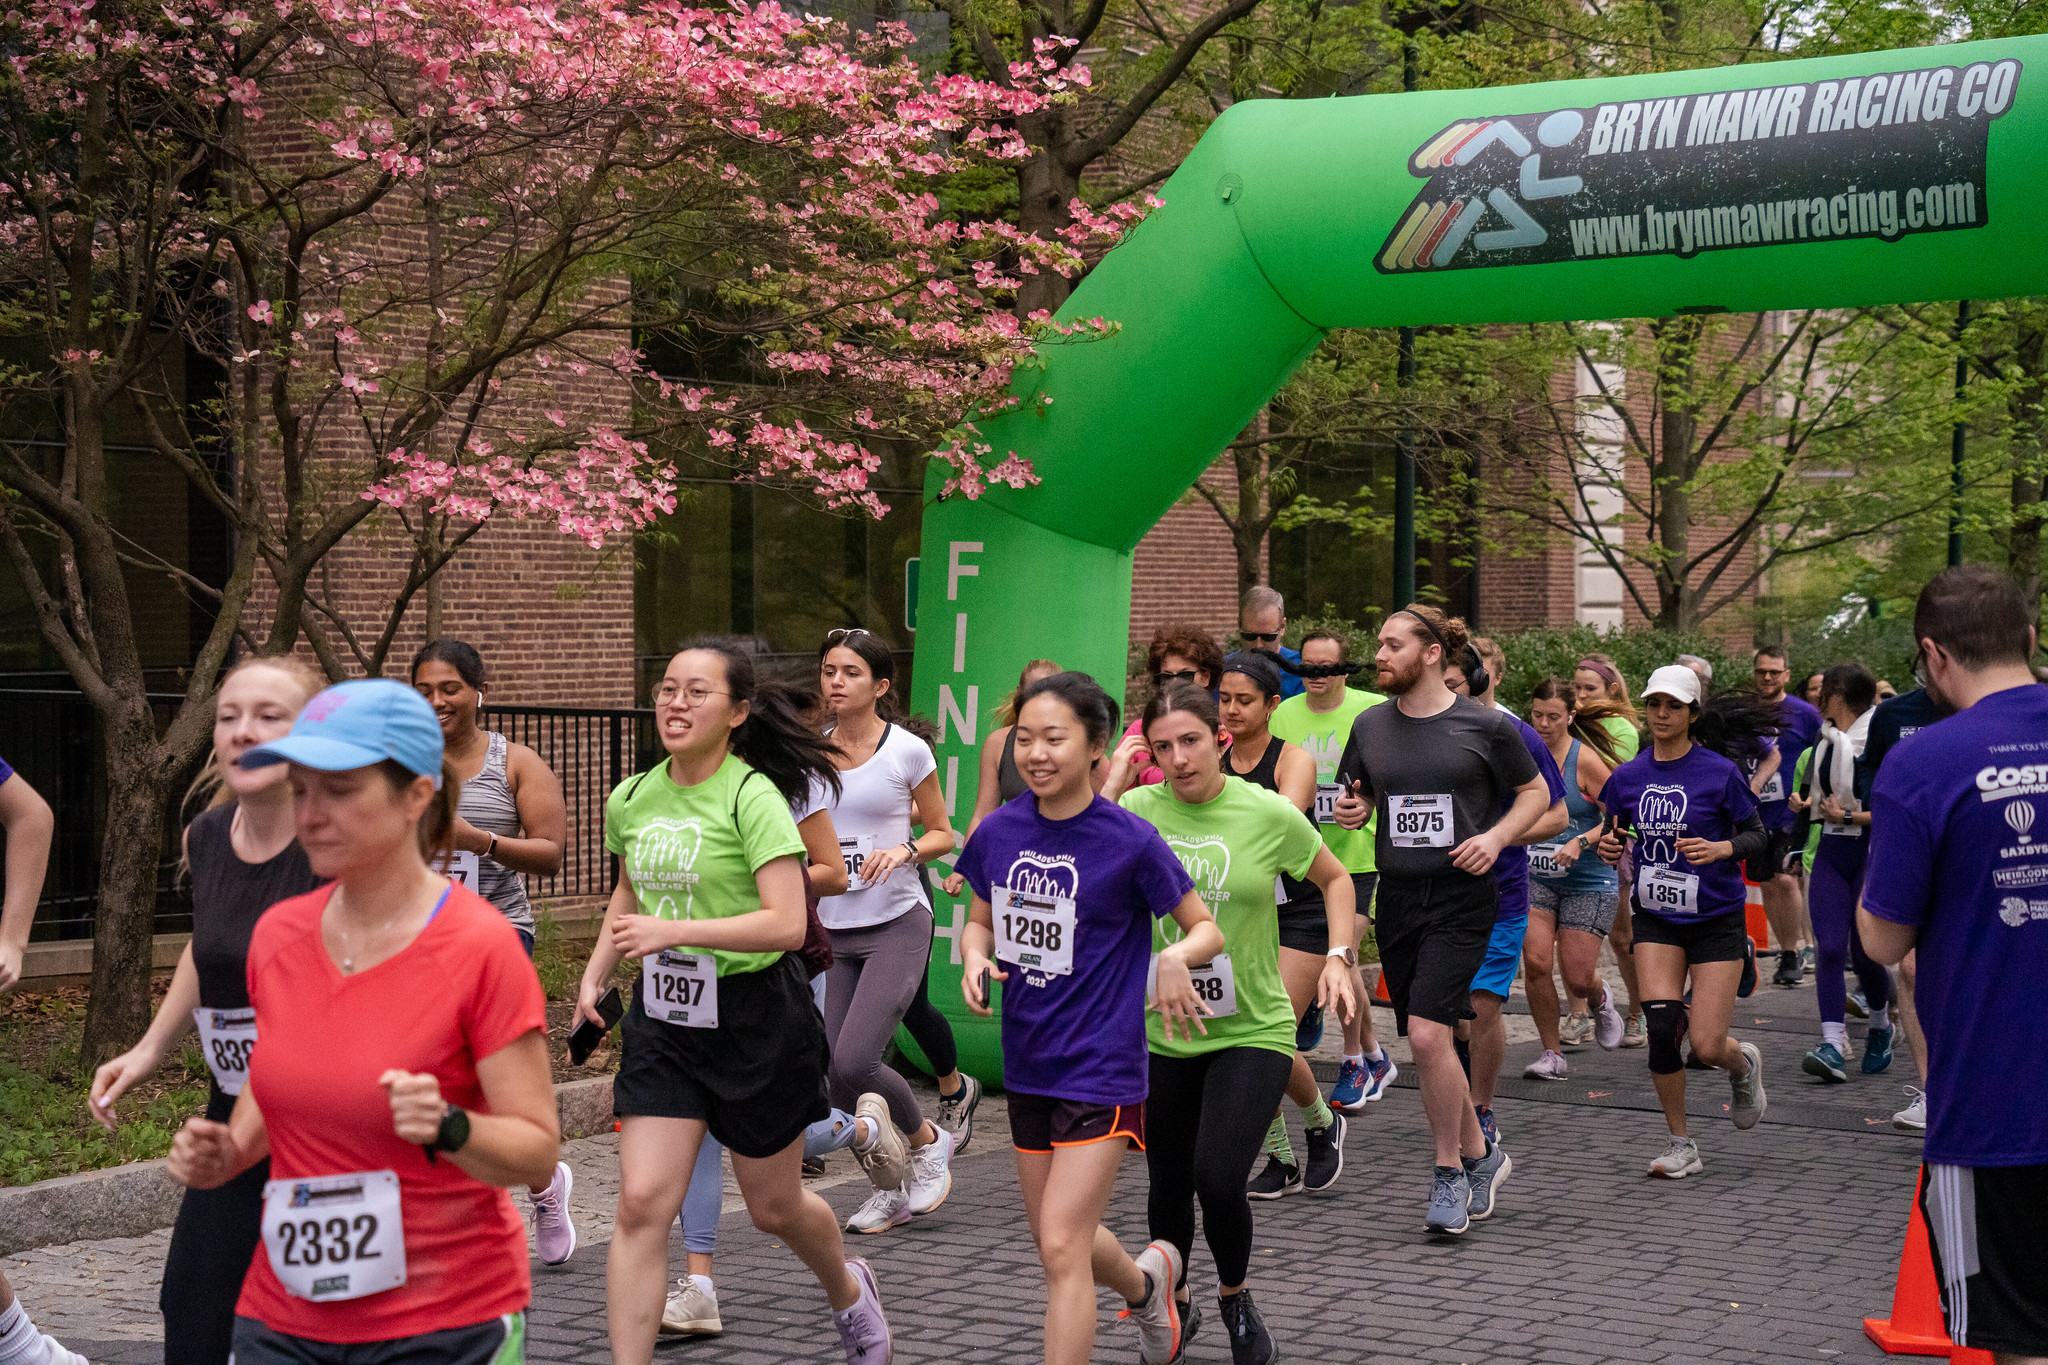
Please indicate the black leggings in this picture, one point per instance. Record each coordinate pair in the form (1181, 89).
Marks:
(923, 1022)
(216, 1236)
(1204, 1121)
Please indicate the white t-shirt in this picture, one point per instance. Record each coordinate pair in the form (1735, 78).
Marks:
(874, 812)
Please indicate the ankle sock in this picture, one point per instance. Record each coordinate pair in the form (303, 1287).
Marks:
(1276, 1140)
(1355, 1058)
(1838, 1034)
(1317, 1115)
(703, 1282)
(1881, 1017)
(20, 1342)
(1378, 1054)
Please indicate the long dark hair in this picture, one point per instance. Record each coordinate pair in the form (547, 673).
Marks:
(880, 658)
(1586, 720)
(1094, 708)
(775, 739)
(1739, 726)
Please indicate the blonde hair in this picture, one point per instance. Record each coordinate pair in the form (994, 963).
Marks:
(208, 789)
(1617, 686)
(1006, 714)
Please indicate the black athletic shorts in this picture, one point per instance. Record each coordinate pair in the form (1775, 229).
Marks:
(1432, 933)
(1984, 1224)
(1712, 938)
(1774, 860)
(1039, 1123)
(1305, 921)
(501, 1341)
(758, 1079)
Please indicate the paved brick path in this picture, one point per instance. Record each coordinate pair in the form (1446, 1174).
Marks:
(1776, 1254)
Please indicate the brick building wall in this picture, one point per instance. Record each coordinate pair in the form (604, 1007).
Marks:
(1185, 568)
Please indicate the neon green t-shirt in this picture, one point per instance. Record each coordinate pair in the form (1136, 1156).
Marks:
(692, 852)
(1799, 785)
(1323, 734)
(1234, 847)
(1626, 740)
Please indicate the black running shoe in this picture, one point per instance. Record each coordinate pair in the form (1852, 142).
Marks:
(1250, 1342)
(1325, 1156)
(1279, 1178)
(1788, 973)
(1748, 986)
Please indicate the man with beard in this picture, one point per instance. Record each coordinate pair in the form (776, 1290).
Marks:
(1438, 769)
(1777, 871)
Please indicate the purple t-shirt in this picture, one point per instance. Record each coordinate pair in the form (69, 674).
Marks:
(1699, 796)
(1959, 849)
(1079, 1036)
(5, 771)
(1511, 868)
(1799, 724)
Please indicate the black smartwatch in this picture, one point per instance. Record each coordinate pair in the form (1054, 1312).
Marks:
(454, 1134)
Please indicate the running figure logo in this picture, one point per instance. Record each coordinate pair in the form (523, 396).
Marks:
(664, 860)
(1660, 820)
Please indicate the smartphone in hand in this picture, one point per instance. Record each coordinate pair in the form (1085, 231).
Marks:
(583, 1040)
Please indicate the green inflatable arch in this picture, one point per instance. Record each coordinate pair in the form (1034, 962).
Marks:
(1886, 177)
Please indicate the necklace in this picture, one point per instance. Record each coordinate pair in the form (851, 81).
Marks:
(348, 961)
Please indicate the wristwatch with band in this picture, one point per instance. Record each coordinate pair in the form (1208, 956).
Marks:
(454, 1133)
(1349, 955)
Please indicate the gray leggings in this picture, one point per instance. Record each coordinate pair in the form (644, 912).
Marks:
(874, 978)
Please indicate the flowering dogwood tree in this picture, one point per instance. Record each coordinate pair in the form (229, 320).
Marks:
(347, 265)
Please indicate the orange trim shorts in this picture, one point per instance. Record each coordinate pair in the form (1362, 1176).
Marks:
(1040, 1123)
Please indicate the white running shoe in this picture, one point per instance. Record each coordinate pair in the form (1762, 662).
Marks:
(885, 1209)
(931, 1173)
(1680, 1159)
(1913, 1118)
(1551, 1066)
(1159, 1339)
(1608, 1025)
(956, 1112)
(59, 1355)
(1576, 1030)
(862, 1328)
(883, 1154)
(554, 1235)
(691, 1312)
(1748, 1102)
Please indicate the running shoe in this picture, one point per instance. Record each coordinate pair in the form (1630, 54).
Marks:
(1680, 1159)
(691, 1311)
(1826, 1062)
(1748, 1102)
(1859, 1005)
(1877, 1051)
(1158, 1317)
(1325, 1160)
(1309, 1032)
(554, 1235)
(1250, 1342)
(884, 1155)
(1279, 1178)
(1450, 1202)
(1747, 986)
(956, 1111)
(1806, 960)
(1637, 1034)
(1486, 1123)
(1551, 1066)
(1608, 1025)
(1576, 1030)
(862, 1328)
(1348, 1095)
(1486, 1177)
(1378, 1076)
(931, 1173)
(1913, 1118)
(59, 1355)
(1788, 970)
(814, 1166)
(885, 1209)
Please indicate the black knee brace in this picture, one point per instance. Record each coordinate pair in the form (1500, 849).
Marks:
(1665, 1024)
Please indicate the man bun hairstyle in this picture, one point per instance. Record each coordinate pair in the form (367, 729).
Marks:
(1094, 708)
(1978, 615)
(1182, 695)
(1432, 627)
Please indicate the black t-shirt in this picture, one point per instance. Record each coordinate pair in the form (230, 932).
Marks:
(1436, 782)
(228, 897)
(1905, 714)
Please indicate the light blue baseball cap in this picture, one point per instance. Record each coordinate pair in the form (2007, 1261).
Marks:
(357, 724)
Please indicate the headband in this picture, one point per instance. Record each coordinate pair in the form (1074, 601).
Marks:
(1434, 633)
(1595, 666)
(1258, 666)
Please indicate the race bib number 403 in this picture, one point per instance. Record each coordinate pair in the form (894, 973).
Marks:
(227, 1037)
(1415, 821)
(335, 1237)
(680, 988)
(1035, 931)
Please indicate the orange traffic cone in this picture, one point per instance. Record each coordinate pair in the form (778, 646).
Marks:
(1379, 989)
(1757, 922)
(1915, 1327)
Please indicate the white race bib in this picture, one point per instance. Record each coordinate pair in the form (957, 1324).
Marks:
(1327, 796)
(1848, 829)
(855, 848)
(1215, 981)
(1663, 890)
(1543, 862)
(1279, 891)
(1035, 931)
(1774, 789)
(680, 988)
(460, 867)
(1421, 821)
(335, 1237)
(227, 1037)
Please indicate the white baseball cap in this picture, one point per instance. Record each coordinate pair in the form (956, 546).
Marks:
(1675, 680)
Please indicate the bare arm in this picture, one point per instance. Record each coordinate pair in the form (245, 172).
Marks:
(827, 865)
(778, 926)
(1340, 907)
(988, 788)
(543, 818)
(1887, 943)
(605, 954)
(1295, 775)
(929, 810)
(30, 827)
(173, 1018)
(1765, 770)
(517, 1142)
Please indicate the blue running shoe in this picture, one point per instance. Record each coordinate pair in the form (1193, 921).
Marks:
(1379, 1076)
(1309, 1031)
(1486, 1124)
(1859, 1005)
(1826, 1062)
(1877, 1051)
(1349, 1093)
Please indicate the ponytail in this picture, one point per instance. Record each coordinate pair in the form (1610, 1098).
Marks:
(1739, 726)
(436, 829)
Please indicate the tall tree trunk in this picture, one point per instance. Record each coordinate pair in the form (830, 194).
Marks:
(1671, 471)
(2028, 412)
(1254, 515)
(1045, 188)
(124, 918)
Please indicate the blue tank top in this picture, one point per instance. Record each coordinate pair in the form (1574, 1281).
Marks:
(1589, 875)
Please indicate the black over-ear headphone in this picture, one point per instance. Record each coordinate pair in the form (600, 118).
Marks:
(1477, 680)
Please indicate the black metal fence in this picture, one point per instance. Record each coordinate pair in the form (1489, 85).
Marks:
(52, 739)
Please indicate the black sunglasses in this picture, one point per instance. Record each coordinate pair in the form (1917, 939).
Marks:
(1269, 636)
(1180, 675)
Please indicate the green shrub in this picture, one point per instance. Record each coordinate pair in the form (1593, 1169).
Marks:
(1551, 651)
(558, 977)
(1884, 645)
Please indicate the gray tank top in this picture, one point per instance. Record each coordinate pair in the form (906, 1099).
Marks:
(487, 803)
